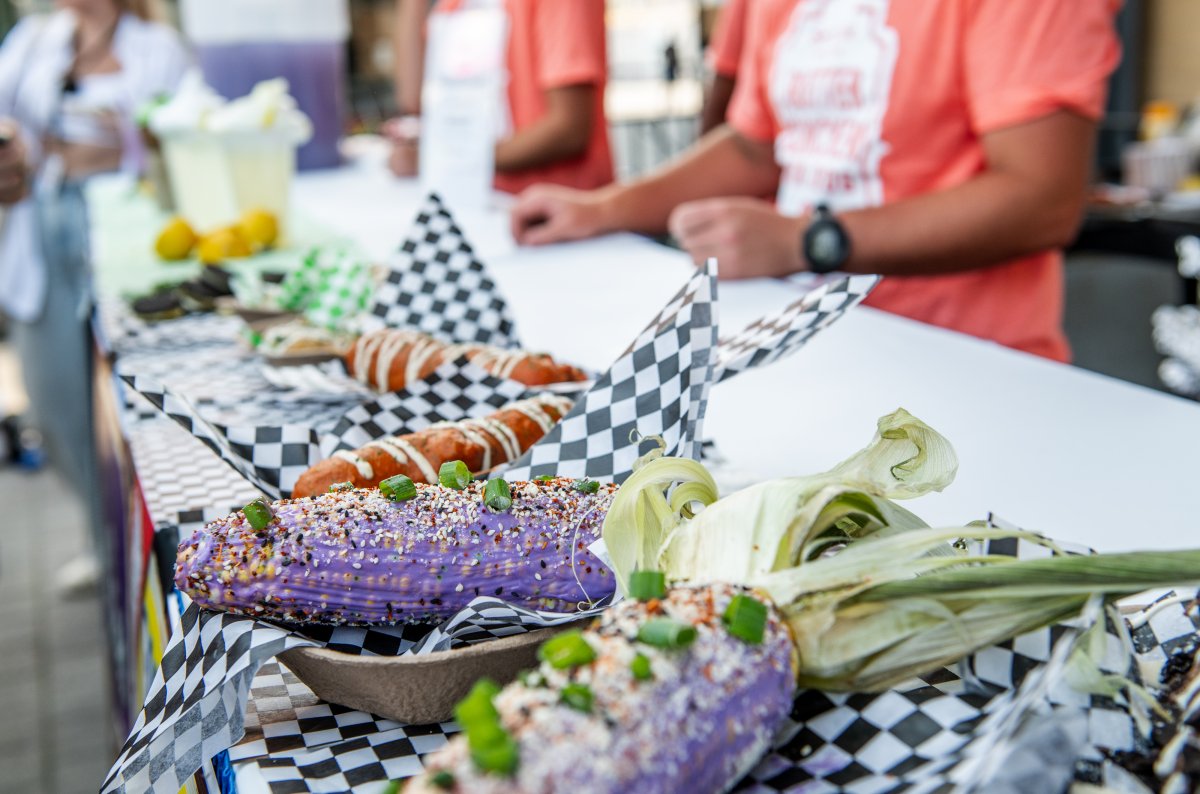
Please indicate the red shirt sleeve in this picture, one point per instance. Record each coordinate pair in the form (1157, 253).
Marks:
(571, 43)
(1025, 59)
(725, 51)
(750, 111)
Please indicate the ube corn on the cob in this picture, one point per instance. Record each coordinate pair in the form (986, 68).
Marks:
(704, 715)
(356, 557)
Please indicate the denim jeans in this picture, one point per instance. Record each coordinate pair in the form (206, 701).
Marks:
(56, 349)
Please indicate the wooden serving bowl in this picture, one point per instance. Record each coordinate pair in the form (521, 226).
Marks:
(414, 689)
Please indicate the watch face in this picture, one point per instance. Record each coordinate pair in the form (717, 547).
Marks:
(826, 245)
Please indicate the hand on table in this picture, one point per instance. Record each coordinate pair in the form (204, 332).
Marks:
(404, 158)
(405, 136)
(747, 236)
(14, 170)
(551, 214)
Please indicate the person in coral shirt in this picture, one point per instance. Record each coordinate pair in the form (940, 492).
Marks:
(557, 71)
(951, 140)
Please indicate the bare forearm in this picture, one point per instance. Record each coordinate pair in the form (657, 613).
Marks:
(989, 220)
(562, 133)
(409, 45)
(1030, 199)
(722, 164)
(716, 103)
(539, 144)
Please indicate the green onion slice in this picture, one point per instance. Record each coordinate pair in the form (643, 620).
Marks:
(398, 488)
(476, 708)
(442, 779)
(492, 749)
(497, 496)
(578, 697)
(258, 513)
(667, 633)
(645, 585)
(454, 474)
(640, 666)
(544, 478)
(567, 650)
(746, 618)
(341, 486)
(586, 486)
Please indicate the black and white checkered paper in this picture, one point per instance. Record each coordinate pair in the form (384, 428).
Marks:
(270, 458)
(437, 285)
(455, 391)
(657, 387)
(772, 338)
(1005, 719)
(196, 705)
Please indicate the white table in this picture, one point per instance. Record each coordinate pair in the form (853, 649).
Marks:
(1076, 455)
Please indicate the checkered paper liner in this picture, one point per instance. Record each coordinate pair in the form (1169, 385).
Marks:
(196, 705)
(268, 457)
(437, 285)
(1003, 719)
(773, 338)
(455, 391)
(229, 383)
(657, 387)
(330, 288)
(122, 331)
(272, 457)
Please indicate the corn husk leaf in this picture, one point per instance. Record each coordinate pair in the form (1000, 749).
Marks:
(872, 595)
(778, 524)
(868, 637)
(643, 514)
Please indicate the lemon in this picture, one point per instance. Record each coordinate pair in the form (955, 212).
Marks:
(175, 241)
(259, 227)
(223, 244)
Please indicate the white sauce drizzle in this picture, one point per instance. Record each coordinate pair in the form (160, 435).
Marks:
(405, 452)
(294, 338)
(364, 351)
(377, 352)
(501, 363)
(364, 469)
(504, 435)
(391, 347)
(536, 411)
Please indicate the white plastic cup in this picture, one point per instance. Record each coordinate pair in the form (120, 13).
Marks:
(216, 177)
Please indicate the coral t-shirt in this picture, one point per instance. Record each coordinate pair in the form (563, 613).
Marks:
(725, 50)
(873, 101)
(555, 44)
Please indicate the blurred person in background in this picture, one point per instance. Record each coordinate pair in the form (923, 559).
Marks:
(70, 84)
(408, 43)
(943, 144)
(557, 71)
(724, 53)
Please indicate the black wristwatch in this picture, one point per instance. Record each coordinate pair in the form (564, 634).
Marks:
(825, 244)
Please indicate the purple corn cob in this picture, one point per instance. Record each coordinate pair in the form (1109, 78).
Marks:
(698, 725)
(354, 557)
